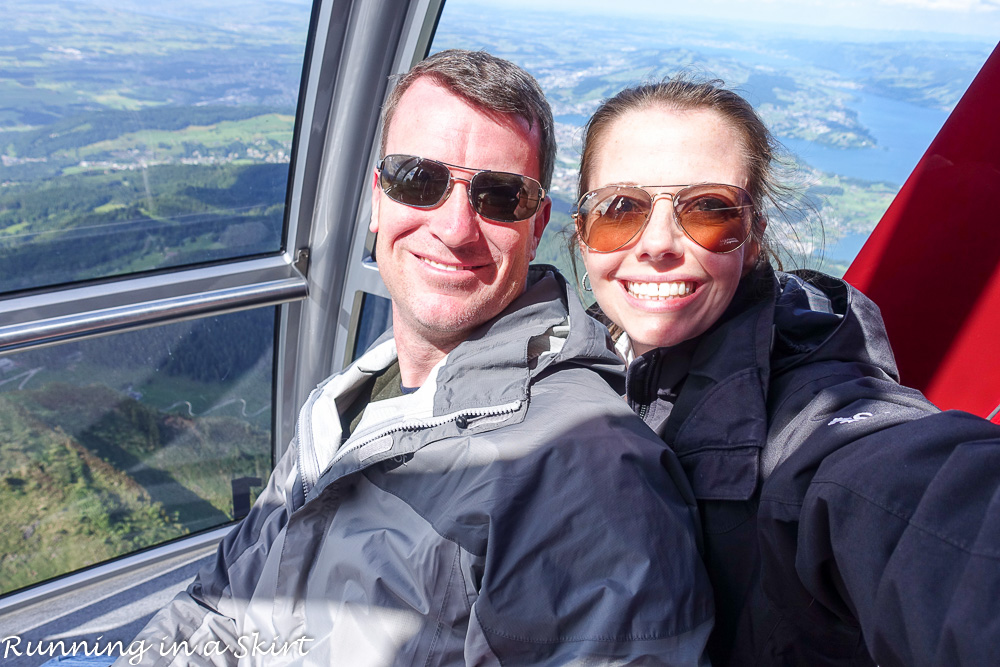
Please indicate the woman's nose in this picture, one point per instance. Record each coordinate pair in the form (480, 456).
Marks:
(661, 237)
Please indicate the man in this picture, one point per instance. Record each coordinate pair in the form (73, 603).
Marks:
(470, 491)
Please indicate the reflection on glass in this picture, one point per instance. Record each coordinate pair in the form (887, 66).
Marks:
(857, 93)
(114, 444)
(135, 137)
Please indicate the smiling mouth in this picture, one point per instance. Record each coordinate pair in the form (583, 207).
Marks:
(659, 290)
(446, 267)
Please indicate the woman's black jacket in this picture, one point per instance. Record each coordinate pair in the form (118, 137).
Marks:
(846, 520)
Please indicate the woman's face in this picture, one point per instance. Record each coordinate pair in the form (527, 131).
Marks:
(667, 147)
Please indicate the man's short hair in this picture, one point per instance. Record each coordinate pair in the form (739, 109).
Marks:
(488, 83)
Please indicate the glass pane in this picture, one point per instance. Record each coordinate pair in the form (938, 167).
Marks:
(856, 92)
(137, 136)
(114, 444)
(375, 319)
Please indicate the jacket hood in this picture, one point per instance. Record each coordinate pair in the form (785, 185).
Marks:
(821, 318)
(776, 323)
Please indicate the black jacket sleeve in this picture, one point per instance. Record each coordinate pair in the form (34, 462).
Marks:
(888, 511)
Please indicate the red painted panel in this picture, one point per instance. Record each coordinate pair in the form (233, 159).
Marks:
(933, 263)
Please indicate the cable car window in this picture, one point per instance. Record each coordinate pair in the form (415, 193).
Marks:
(138, 136)
(114, 444)
(856, 94)
(375, 318)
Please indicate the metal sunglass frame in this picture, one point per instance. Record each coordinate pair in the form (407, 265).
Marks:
(529, 181)
(673, 207)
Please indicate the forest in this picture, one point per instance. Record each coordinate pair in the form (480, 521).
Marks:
(121, 157)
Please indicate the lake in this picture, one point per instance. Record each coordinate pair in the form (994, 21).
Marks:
(903, 132)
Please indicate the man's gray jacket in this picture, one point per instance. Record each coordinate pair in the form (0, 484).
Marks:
(513, 510)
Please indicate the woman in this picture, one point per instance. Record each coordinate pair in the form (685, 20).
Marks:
(846, 520)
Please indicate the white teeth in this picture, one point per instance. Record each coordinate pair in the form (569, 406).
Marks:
(438, 265)
(659, 290)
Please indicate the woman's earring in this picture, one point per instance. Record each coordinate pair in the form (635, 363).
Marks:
(586, 282)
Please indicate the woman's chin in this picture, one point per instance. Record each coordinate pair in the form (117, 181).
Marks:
(647, 337)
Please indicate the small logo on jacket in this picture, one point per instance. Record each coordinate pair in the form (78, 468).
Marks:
(850, 420)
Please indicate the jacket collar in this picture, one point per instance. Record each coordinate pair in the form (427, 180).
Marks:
(739, 342)
(487, 374)
(777, 321)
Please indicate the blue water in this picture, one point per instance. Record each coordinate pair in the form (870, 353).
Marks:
(846, 249)
(903, 131)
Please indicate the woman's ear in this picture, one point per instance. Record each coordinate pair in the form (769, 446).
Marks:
(753, 247)
(750, 257)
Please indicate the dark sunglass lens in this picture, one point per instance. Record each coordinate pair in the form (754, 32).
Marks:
(504, 197)
(413, 181)
(716, 217)
(611, 217)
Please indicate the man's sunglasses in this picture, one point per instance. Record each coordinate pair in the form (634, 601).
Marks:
(495, 195)
(717, 217)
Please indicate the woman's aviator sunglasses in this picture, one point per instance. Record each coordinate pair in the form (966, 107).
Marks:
(423, 183)
(715, 216)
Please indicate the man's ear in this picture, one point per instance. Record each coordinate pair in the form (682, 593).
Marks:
(538, 225)
(376, 191)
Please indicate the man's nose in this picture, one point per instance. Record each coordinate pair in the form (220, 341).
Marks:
(454, 221)
(662, 237)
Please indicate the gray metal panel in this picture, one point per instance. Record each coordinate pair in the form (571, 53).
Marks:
(48, 592)
(99, 607)
(49, 331)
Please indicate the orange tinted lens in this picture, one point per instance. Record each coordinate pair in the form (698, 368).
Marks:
(611, 217)
(716, 217)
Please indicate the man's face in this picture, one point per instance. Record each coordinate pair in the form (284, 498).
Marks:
(447, 269)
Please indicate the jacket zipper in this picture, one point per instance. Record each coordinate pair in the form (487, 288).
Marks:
(649, 384)
(412, 425)
(307, 467)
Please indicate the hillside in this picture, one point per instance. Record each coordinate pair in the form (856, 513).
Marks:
(86, 476)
